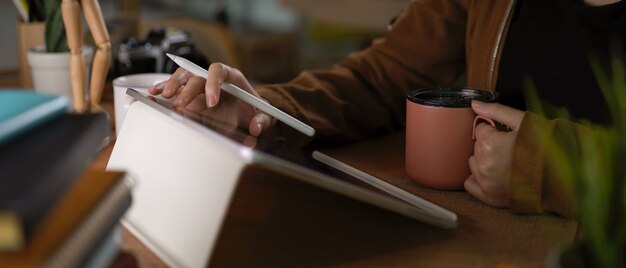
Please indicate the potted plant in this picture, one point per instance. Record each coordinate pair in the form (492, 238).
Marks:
(593, 166)
(50, 63)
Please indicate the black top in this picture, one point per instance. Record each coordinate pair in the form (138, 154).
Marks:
(550, 42)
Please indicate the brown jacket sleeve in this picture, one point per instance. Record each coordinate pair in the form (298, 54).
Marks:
(536, 186)
(365, 93)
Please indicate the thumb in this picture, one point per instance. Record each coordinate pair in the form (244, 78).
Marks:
(504, 114)
(260, 123)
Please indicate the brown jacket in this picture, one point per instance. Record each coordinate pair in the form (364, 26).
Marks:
(432, 43)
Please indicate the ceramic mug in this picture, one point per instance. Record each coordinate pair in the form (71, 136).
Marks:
(140, 82)
(439, 135)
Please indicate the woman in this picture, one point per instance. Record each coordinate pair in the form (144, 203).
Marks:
(496, 45)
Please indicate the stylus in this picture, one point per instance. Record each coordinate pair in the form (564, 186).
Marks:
(412, 199)
(247, 97)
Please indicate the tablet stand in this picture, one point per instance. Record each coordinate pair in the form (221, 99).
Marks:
(184, 183)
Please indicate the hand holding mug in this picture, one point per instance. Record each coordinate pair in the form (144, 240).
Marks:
(493, 153)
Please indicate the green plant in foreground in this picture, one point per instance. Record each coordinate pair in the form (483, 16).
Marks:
(592, 162)
(56, 40)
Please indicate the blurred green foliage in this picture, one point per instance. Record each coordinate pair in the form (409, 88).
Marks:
(592, 162)
(55, 37)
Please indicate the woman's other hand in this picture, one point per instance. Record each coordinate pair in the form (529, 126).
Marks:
(493, 153)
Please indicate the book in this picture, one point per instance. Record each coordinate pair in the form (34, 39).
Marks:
(38, 167)
(77, 224)
(106, 251)
(23, 110)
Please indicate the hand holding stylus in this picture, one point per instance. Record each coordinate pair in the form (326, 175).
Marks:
(252, 112)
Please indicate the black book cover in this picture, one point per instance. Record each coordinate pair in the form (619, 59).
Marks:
(37, 167)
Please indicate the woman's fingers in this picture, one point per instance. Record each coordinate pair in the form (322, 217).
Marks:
(220, 73)
(259, 123)
(217, 74)
(511, 117)
(178, 79)
(157, 89)
(193, 88)
(187, 88)
(473, 187)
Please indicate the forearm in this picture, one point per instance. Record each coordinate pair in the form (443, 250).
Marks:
(365, 94)
(536, 185)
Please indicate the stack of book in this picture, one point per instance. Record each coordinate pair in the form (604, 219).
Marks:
(54, 211)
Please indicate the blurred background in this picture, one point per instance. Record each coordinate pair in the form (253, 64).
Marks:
(269, 40)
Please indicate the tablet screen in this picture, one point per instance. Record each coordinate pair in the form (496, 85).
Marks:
(220, 121)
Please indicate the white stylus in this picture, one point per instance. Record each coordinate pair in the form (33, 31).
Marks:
(246, 97)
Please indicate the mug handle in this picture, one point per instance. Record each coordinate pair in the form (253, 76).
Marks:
(477, 121)
(497, 125)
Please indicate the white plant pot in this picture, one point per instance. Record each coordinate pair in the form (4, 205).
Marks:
(51, 71)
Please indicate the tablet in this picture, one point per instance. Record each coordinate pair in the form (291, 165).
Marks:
(205, 151)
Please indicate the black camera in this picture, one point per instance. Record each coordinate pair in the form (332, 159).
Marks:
(148, 56)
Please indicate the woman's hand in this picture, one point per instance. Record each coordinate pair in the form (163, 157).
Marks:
(493, 153)
(188, 88)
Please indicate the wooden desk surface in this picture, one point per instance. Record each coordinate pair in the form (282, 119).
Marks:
(277, 221)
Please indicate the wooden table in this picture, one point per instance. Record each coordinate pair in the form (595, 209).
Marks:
(275, 221)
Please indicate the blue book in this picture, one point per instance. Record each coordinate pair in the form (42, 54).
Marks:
(23, 110)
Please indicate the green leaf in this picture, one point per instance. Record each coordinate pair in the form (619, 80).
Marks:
(592, 161)
(56, 39)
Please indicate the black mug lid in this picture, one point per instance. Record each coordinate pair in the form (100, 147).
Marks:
(450, 97)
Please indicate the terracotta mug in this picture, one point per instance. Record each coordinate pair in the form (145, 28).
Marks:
(439, 135)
